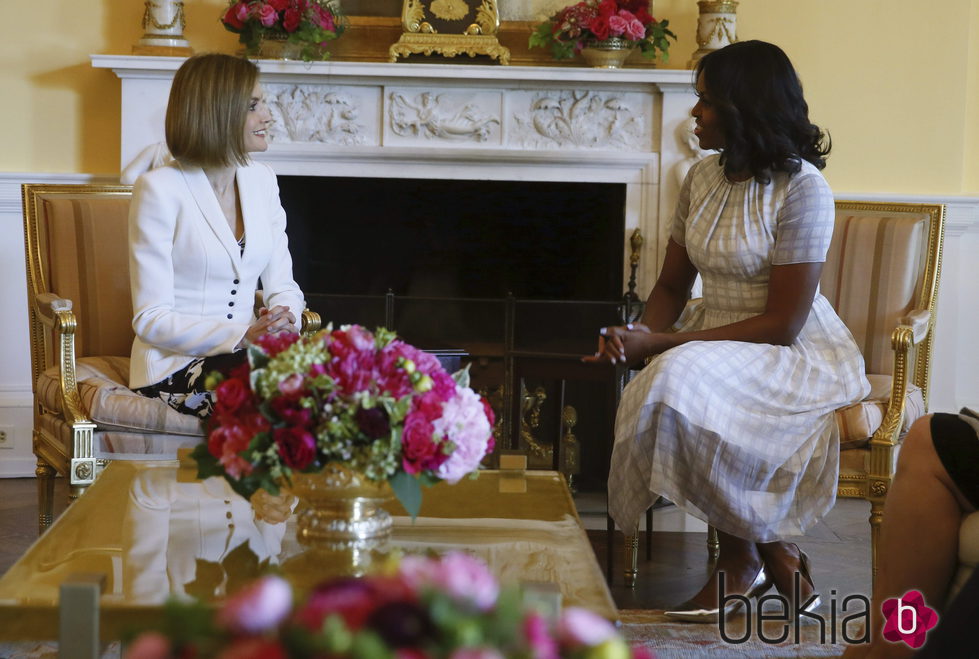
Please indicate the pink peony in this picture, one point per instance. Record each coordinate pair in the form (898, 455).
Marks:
(464, 578)
(149, 645)
(463, 423)
(579, 627)
(417, 444)
(258, 607)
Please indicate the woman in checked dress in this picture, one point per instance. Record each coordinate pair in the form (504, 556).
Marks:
(732, 418)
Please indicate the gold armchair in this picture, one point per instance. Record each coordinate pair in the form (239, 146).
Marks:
(881, 275)
(80, 315)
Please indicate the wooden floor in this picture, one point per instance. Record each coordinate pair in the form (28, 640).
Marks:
(839, 547)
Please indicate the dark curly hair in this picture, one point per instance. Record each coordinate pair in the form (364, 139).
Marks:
(765, 118)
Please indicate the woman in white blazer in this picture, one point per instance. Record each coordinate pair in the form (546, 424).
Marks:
(203, 230)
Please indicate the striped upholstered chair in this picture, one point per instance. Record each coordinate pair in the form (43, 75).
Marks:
(81, 334)
(881, 276)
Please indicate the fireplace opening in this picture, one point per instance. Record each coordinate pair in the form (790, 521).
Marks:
(476, 239)
(490, 269)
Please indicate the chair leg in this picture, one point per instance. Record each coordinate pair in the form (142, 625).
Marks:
(713, 545)
(632, 558)
(649, 533)
(876, 518)
(609, 547)
(45, 474)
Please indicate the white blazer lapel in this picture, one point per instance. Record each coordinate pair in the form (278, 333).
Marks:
(208, 204)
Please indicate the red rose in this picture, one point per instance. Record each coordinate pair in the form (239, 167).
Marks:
(236, 15)
(291, 20)
(231, 395)
(599, 27)
(297, 447)
(608, 8)
(278, 5)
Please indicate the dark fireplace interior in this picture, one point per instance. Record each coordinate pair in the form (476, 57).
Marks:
(452, 252)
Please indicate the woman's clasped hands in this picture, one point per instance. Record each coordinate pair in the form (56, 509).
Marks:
(628, 344)
(270, 321)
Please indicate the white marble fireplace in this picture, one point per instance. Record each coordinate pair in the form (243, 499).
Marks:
(458, 121)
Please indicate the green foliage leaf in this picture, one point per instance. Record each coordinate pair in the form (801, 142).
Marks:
(461, 376)
(409, 492)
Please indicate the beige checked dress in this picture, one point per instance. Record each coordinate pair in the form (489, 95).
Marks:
(741, 435)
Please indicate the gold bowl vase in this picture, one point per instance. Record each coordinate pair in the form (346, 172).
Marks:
(341, 523)
(340, 507)
(610, 53)
(277, 46)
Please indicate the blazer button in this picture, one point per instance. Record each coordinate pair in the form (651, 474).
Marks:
(230, 316)
(235, 281)
(231, 304)
(234, 292)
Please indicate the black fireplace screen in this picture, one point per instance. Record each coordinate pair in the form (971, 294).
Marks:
(515, 277)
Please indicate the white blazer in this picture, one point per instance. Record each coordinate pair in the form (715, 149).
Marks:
(193, 290)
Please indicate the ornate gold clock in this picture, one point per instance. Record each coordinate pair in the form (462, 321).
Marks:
(450, 28)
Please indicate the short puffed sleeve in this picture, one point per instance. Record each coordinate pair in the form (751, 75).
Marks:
(805, 220)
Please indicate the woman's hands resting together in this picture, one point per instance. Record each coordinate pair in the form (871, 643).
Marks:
(270, 321)
(629, 344)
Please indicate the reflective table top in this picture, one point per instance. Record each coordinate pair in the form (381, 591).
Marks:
(155, 531)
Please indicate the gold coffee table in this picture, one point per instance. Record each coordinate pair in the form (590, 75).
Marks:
(154, 531)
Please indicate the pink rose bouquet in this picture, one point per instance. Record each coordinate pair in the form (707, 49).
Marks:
(366, 400)
(426, 607)
(581, 24)
(310, 23)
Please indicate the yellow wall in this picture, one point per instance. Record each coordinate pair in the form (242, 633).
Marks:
(896, 82)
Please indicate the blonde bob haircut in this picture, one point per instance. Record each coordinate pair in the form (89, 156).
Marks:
(209, 101)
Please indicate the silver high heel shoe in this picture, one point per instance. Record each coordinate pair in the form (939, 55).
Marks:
(804, 573)
(691, 612)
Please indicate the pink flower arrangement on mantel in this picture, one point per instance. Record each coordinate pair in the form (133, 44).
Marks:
(368, 401)
(579, 25)
(425, 607)
(309, 23)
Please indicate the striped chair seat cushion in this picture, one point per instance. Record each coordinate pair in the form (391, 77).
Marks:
(858, 422)
(103, 387)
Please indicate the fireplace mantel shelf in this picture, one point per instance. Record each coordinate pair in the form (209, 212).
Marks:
(141, 66)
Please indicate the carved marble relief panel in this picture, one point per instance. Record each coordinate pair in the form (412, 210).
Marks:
(438, 118)
(580, 119)
(324, 114)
